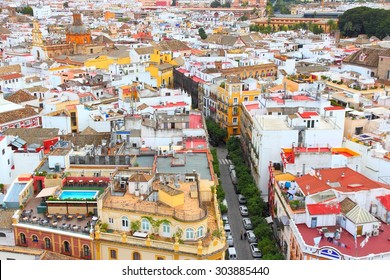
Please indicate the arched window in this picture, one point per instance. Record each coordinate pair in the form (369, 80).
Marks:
(86, 251)
(47, 243)
(66, 247)
(190, 233)
(136, 256)
(200, 232)
(23, 238)
(125, 222)
(166, 229)
(35, 238)
(145, 225)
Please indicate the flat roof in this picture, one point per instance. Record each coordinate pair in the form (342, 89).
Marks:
(192, 161)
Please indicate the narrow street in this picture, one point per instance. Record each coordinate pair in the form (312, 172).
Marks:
(234, 216)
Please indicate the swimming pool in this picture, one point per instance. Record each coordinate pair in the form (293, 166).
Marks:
(78, 195)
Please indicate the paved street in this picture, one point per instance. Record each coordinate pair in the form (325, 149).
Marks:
(234, 216)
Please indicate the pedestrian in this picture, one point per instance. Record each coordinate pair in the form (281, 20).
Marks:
(241, 235)
(245, 235)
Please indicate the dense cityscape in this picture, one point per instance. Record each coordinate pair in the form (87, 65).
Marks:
(194, 130)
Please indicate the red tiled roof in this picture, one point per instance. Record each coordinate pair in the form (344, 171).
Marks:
(307, 115)
(278, 100)
(1, 138)
(250, 107)
(180, 103)
(375, 245)
(196, 121)
(197, 80)
(301, 97)
(323, 209)
(182, 70)
(349, 180)
(385, 201)
(333, 108)
(11, 76)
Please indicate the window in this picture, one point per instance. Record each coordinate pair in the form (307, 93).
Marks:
(110, 220)
(235, 100)
(113, 254)
(200, 232)
(235, 120)
(3, 151)
(256, 98)
(66, 247)
(159, 258)
(35, 238)
(166, 229)
(86, 251)
(189, 233)
(145, 225)
(125, 222)
(246, 98)
(9, 162)
(23, 238)
(47, 243)
(136, 256)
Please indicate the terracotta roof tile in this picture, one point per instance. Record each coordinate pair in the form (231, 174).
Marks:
(20, 96)
(15, 115)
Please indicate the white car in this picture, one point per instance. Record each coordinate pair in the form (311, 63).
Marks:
(241, 199)
(227, 227)
(256, 253)
(251, 237)
(225, 218)
(229, 239)
(243, 210)
(247, 223)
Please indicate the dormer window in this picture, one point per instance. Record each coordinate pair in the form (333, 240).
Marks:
(362, 57)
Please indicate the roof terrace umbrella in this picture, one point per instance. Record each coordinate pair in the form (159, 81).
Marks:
(48, 192)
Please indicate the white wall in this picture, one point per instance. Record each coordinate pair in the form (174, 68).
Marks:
(4, 255)
(26, 162)
(5, 170)
(60, 122)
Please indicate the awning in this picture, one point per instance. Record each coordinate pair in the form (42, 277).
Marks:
(48, 192)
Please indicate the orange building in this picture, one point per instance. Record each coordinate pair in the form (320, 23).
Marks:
(77, 33)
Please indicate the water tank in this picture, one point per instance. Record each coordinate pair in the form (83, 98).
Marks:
(57, 167)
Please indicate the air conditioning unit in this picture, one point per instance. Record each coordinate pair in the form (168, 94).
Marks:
(375, 232)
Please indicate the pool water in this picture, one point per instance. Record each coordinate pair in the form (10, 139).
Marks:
(78, 195)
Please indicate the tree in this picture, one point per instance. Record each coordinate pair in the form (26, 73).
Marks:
(243, 18)
(26, 11)
(332, 25)
(227, 4)
(216, 133)
(215, 4)
(173, 3)
(65, 5)
(202, 33)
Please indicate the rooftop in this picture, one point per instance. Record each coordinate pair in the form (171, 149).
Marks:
(346, 243)
(347, 181)
(193, 161)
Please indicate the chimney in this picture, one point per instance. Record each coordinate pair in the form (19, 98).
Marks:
(342, 175)
(300, 110)
(303, 169)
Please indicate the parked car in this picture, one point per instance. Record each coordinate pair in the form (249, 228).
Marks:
(229, 239)
(247, 223)
(243, 210)
(227, 227)
(256, 253)
(234, 177)
(241, 199)
(231, 167)
(236, 190)
(251, 237)
(232, 254)
(225, 218)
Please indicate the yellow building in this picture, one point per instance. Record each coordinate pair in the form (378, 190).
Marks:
(159, 220)
(104, 61)
(231, 94)
(160, 67)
